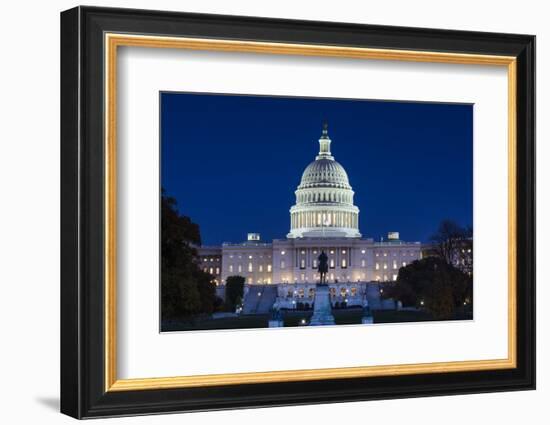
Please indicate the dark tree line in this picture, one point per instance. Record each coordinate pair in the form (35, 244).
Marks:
(234, 292)
(186, 290)
(435, 283)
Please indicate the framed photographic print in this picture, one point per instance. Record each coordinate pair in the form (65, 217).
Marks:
(261, 212)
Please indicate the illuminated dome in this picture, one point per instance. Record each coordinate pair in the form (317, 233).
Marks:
(324, 199)
(324, 172)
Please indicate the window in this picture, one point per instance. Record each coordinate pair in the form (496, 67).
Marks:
(269, 268)
(394, 277)
(362, 251)
(205, 270)
(344, 263)
(250, 267)
(385, 266)
(282, 264)
(331, 265)
(261, 268)
(303, 252)
(302, 277)
(217, 270)
(268, 280)
(404, 263)
(282, 253)
(250, 257)
(240, 268)
(394, 264)
(377, 266)
(377, 254)
(231, 268)
(343, 251)
(363, 263)
(211, 271)
(314, 264)
(385, 254)
(302, 263)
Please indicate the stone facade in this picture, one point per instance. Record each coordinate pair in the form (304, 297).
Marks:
(295, 260)
(323, 218)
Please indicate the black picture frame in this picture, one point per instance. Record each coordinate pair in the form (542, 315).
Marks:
(83, 392)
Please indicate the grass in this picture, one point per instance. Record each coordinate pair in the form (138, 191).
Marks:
(293, 318)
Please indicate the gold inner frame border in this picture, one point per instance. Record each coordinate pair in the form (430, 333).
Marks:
(111, 43)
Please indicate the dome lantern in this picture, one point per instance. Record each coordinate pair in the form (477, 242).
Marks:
(324, 144)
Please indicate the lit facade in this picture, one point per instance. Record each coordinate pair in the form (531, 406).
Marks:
(323, 218)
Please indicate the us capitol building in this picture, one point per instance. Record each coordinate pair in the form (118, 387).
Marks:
(324, 218)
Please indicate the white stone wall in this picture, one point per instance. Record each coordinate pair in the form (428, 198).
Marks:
(253, 261)
(293, 261)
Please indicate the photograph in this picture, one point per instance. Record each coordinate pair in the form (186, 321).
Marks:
(281, 211)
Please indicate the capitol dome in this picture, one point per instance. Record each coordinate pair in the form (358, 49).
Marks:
(324, 199)
(326, 173)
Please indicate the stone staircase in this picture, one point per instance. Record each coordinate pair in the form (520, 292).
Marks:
(267, 299)
(259, 299)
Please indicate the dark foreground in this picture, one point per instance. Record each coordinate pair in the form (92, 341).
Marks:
(349, 316)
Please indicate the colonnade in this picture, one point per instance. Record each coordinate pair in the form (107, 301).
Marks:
(340, 197)
(309, 219)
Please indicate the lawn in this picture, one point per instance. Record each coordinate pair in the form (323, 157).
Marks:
(294, 318)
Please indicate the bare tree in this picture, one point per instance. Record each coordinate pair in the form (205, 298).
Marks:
(453, 244)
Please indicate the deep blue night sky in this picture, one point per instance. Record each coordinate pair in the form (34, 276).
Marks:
(233, 162)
